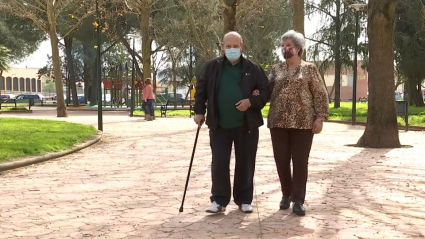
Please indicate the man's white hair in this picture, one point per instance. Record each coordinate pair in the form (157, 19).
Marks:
(233, 33)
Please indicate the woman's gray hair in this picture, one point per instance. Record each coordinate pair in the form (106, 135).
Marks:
(297, 38)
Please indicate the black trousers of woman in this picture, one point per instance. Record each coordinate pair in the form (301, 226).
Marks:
(292, 144)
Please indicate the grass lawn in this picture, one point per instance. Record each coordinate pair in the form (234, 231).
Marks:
(12, 109)
(416, 114)
(27, 137)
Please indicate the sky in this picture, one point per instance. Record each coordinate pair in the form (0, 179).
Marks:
(39, 58)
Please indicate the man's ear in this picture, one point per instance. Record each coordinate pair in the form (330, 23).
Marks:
(242, 45)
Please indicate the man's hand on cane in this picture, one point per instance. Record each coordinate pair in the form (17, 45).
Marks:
(199, 120)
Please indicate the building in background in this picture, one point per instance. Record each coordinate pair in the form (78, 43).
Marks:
(347, 82)
(21, 80)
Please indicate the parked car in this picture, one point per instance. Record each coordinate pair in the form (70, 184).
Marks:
(54, 98)
(398, 96)
(80, 99)
(179, 98)
(24, 98)
(7, 96)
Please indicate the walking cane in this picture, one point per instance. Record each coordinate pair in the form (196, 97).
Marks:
(190, 166)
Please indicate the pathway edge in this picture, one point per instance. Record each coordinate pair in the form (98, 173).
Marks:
(38, 159)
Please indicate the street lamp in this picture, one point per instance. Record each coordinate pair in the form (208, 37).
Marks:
(134, 36)
(357, 7)
(99, 72)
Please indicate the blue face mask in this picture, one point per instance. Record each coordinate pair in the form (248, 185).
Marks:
(232, 54)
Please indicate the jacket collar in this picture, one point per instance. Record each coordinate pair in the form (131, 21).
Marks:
(243, 61)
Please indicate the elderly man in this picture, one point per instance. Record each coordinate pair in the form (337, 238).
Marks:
(224, 90)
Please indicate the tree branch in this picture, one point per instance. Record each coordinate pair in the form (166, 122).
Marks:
(160, 48)
(321, 10)
(77, 24)
(318, 41)
(109, 47)
(130, 50)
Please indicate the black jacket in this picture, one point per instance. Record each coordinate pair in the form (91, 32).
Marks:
(252, 77)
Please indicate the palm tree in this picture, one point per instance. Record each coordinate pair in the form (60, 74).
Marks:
(4, 60)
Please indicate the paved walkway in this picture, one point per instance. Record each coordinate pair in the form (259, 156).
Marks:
(130, 186)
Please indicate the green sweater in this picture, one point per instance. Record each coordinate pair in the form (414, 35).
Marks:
(229, 93)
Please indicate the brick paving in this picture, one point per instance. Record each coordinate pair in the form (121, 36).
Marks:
(130, 186)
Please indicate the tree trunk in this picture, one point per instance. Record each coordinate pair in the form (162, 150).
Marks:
(1, 74)
(420, 94)
(322, 74)
(154, 81)
(61, 107)
(331, 92)
(229, 15)
(175, 88)
(54, 42)
(415, 92)
(86, 79)
(337, 51)
(298, 18)
(146, 42)
(70, 65)
(381, 129)
(131, 52)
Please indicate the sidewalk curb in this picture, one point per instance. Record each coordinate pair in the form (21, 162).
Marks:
(38, 159)
(15, 112)
(411, 127)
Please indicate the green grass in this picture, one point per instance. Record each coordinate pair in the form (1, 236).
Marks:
(416, 114)
(12, 109)
(27, 137)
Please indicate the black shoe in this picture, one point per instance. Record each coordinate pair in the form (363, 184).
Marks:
(285, 203)
(298, 209)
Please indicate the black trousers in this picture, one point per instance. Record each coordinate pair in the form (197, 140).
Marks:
(246, 143)
(292, 144)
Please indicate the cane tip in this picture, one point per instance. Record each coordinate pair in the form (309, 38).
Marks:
(181, 209)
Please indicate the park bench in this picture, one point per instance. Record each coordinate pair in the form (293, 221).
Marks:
(402, 110)
(363, 99)
(30, 102)
(164, 108)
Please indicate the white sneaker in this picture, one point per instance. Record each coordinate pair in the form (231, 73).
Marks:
(246, 208)
(215, 208)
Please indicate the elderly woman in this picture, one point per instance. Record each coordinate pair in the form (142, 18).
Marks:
(298, 106)
(148, 97)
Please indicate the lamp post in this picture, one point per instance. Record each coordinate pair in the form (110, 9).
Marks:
(357, 7)
(99, 72)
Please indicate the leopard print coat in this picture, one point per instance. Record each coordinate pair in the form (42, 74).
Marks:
(298, 97)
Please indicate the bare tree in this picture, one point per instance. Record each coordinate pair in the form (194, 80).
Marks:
(46, 14)
(229, 15)
(146, 9)
(381, 129)
(298, 17)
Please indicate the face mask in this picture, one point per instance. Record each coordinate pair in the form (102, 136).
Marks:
(232, 54)
(288, 53)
